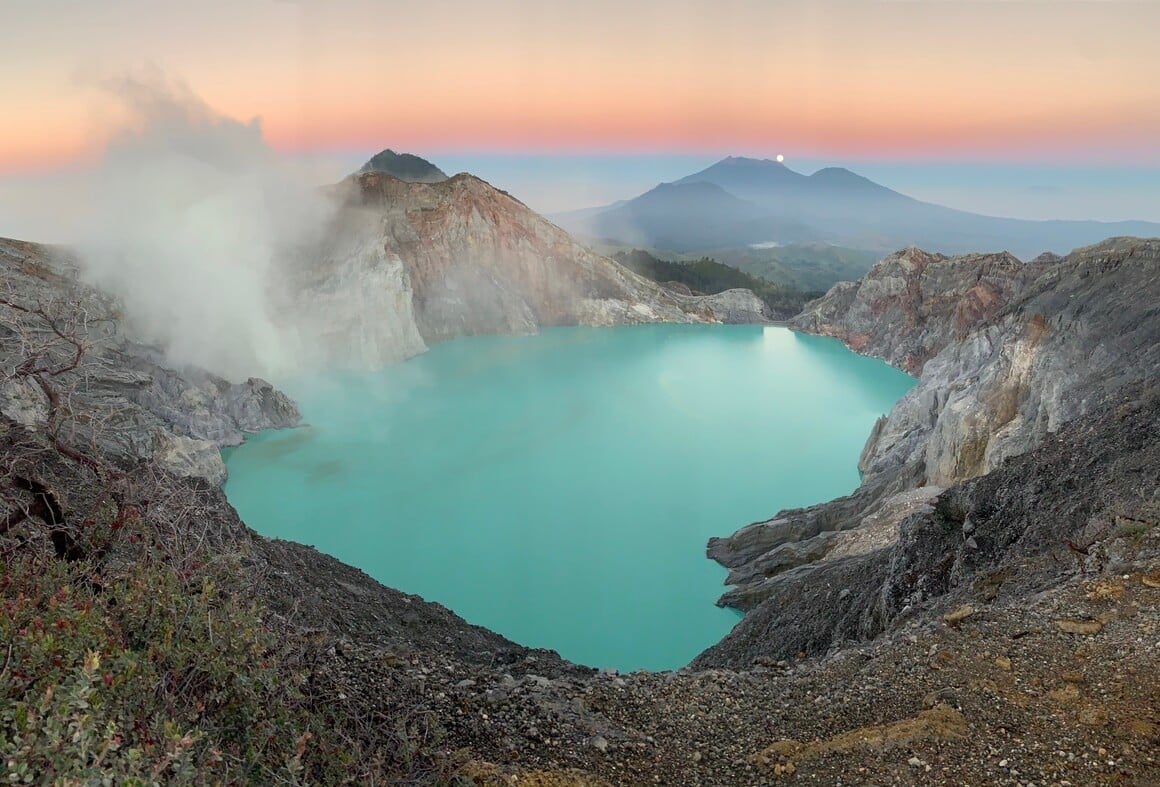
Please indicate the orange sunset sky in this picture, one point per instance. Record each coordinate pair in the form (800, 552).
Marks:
(863, 79)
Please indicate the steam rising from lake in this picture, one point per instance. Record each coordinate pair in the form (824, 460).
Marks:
(191, 218)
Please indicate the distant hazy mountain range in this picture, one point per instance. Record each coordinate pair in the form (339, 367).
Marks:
(741, 202)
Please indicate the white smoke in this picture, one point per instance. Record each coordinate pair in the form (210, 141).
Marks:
(192, 217)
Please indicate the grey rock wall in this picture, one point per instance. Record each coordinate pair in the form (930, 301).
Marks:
(118, 400)
(1062, 339)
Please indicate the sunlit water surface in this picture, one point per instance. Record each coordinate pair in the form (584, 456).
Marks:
(560, 488)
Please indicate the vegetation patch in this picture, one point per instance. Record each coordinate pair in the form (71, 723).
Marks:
(709, 277)
(157, 675)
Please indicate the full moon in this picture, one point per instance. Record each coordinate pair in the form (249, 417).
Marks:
(780, 158)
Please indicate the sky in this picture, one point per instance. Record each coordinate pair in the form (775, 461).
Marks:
(1036, 108)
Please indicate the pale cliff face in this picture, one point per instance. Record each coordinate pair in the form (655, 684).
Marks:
(1008, 352)
(1066, 336)
(351, 298)
(408, 264)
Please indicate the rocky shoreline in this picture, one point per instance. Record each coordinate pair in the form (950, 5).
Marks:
(1007, 356)
(984, 609)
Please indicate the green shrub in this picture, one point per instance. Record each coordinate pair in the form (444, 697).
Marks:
(154, 677)
(1132, 528)
(708, 276)
(165, 676)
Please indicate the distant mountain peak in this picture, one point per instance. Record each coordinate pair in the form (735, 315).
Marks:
(740, 201)
(840, 177)
(747, 161)
(404, 166)
(735, 172)
(836, 172)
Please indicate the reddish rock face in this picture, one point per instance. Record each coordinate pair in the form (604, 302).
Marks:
(977, 305)
(480, 261)
(856, 341)
(914, 303)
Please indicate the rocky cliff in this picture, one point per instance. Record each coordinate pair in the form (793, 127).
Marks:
(1048, 342)
(1008, 355)
(1025, 527)
(67, 364)
(914, 303)
(408, 264)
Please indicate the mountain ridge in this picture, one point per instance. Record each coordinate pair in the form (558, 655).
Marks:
(839, 206)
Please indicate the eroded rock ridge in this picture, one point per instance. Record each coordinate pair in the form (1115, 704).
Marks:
(1007, 354)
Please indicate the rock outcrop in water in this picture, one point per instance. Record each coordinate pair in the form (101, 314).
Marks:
(408, 264)
(1008, 354)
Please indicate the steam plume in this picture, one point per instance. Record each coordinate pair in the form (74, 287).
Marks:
(192, 218)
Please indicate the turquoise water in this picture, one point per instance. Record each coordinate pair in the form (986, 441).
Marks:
(560, 488)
